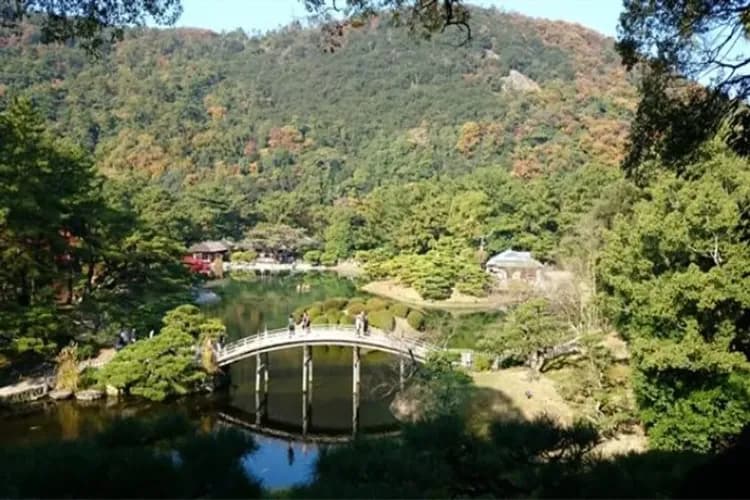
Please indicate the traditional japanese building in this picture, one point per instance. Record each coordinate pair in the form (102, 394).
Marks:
(208, 251)
(515, 266)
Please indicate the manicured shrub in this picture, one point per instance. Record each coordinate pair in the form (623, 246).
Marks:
(415, 319)
(399, 310)
(433, 287)
(244, 256)
(375, 304)
(88, 378)
(332, 318)
(312, 257)
(345, 319)
(354, 308)
(314, 311)
(319, 320)
(382, 320)
(328, 259)
(335, 304)
(474, 281)
(481, 362)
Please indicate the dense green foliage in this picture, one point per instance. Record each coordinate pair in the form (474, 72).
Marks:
(415, 319)
(440, 456)
(419, 159)
(528, 333)
(518, 459)
(382, 319)
(244, 256)
(676, 272)
(168, 364)
(77, 255)
(218, 134)
(163, 458)
(436, 273)
(673, 45)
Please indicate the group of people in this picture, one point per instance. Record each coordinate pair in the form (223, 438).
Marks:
(304, 323)
(361, 323)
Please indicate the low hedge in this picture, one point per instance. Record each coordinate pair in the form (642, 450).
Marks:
(314, 311)
(332, 317)
(319, 320)
(354, 308)
(415, 319)
(246, 256)
(328, 260)
(345, 319)
(481, 362)
(382, 320)
(399, 310)
(312, 257)
(375, 304)
(335, 304)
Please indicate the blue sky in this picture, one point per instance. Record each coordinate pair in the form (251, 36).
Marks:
(264, 15)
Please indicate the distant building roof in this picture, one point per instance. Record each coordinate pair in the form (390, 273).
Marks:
(511, 258)
(209, 247)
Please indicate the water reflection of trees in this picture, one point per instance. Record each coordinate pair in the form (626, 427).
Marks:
(249, 306)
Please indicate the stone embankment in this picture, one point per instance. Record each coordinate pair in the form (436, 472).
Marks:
(33, 388)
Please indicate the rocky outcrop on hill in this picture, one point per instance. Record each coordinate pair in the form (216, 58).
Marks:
(517, 81)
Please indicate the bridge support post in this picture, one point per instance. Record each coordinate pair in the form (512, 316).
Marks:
(306, 387)
(401, 369)
(355, 390)
(266, 367)
(260, 405)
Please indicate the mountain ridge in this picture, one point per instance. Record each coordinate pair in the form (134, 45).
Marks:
(274, 129)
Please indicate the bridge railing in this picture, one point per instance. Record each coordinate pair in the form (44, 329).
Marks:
(333, 332)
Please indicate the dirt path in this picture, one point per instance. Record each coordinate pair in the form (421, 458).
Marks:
(511, 400)
(458, 302)
(513, 384)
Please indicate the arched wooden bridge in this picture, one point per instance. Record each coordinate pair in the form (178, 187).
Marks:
(408, 349)
(330, 335)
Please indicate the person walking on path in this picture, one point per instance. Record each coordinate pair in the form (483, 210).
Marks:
(290, 325)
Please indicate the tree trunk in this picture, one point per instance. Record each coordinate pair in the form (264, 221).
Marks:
(539, 358)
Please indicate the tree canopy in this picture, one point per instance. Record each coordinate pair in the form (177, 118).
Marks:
(679, 46)
(675, 271)
(77, 258)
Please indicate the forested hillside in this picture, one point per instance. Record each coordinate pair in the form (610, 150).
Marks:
(229, 130)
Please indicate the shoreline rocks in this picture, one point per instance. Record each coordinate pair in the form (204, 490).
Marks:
(60, 394)
(89, 395)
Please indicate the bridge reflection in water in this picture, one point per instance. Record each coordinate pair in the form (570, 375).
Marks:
(258, 347)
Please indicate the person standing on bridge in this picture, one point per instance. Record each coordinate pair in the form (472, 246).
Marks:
(365, 323)
(306, 322)
(290, 325)
(358, 321)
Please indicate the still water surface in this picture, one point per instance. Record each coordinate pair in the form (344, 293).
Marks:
(246, 307)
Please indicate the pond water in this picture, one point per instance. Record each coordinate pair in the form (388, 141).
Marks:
(246, 307)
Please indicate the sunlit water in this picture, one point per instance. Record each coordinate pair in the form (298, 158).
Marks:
(247, 307)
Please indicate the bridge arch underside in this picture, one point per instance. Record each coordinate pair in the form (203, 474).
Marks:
(361, 343)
